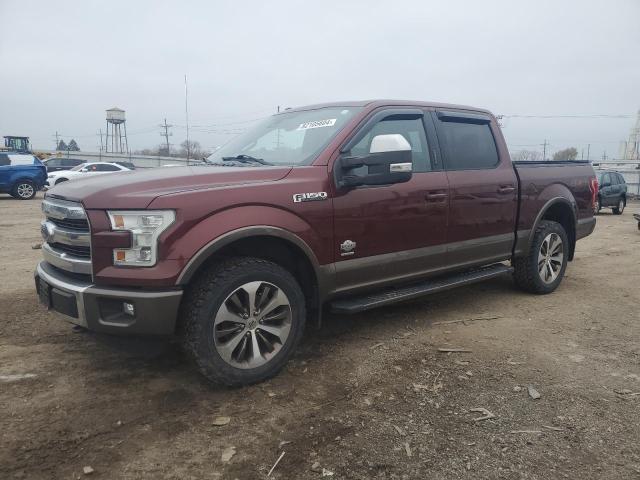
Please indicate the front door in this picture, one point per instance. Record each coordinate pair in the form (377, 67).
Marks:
(383, 233)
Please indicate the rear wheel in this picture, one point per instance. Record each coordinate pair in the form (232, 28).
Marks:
(242, 319)
(617, 210)
(24, 190)
(541, 271)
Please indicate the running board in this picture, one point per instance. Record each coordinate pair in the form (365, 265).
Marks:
(387, 297)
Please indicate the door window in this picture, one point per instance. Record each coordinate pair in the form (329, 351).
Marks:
(467, 146)
(606, 180)
(105, 167)
(410, 128)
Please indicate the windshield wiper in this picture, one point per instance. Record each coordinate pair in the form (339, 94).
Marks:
(246, 159)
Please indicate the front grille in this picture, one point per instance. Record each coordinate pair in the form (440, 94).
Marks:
(67, 236)
(80, 225)
(75, 250)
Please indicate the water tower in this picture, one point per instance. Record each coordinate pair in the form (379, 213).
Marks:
(116, 141)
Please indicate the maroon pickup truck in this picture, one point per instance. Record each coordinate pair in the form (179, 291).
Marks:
(349, 205)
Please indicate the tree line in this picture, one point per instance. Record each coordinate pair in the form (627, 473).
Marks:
(191, 148)
(570, 153)
(72, 146)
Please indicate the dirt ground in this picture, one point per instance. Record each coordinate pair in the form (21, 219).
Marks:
(367, 396)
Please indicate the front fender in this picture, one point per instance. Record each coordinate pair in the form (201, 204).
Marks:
(214, 232)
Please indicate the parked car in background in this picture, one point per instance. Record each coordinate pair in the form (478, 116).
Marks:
(21, 175)
(85, 170)
(612, 192)
(56, 164)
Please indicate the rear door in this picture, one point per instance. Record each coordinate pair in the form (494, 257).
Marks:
(483, 189)
(387, 232)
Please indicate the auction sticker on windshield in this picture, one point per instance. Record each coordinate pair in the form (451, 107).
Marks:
(317, 124)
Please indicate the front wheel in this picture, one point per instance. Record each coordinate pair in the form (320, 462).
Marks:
(542, 269)
(620, 208)
(242, 319)
(24, 190)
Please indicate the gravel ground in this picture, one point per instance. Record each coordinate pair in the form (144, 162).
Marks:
(367, 396)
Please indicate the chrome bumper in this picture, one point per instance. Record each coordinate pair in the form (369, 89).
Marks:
(101, 309)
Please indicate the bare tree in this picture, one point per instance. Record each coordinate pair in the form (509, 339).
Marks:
(193, 150)
(526, 156)
(566, 154)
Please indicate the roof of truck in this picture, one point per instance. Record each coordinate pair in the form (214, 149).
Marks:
(385, 103)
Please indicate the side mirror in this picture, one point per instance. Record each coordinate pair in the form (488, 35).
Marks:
(388, 162)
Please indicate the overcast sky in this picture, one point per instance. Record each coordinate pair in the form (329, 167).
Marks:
(63, 63)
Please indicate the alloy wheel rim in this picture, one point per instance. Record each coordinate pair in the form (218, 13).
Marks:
(25, 190)
(252, 324)
(550, 258)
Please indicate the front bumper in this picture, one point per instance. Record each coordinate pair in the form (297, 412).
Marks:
(585, 227)
(102, 310)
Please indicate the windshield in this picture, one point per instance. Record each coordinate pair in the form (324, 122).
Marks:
(294, 138)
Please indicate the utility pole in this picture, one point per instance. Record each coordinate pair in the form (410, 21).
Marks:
(57, 135)
(166, 135)
(544, 150)
(186, 112)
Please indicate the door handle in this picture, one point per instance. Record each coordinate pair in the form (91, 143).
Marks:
(436, 196)
(506, 189)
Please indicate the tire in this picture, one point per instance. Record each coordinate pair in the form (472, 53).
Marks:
(24, 190)
(620, 208)
(60, 180)
(597, 206)
(527, 274)
(221, 339)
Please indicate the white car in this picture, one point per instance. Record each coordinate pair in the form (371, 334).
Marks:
(85, 170)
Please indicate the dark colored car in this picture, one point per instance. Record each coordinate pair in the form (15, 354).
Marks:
(56, 164)
(21, 175)
(348, 206)
(612, 191)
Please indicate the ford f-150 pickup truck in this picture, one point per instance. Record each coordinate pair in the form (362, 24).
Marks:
(347, 206)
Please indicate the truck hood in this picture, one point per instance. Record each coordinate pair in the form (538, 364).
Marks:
(138, 188)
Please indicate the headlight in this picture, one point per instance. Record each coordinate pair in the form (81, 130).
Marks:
(145, 227)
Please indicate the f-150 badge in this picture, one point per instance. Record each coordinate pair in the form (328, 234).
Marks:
(309, 197)
(347, 247)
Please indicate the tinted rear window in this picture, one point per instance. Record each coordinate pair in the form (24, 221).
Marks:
(468, 146)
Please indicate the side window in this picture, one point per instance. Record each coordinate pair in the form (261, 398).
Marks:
(103, 167)
(621, 179)
(411, 129)
(614, 179)
(606, 179)
(467, 146)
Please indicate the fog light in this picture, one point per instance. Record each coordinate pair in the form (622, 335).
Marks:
(129, 309)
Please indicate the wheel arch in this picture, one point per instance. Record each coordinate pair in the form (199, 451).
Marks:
(267, 242)
(563, 211)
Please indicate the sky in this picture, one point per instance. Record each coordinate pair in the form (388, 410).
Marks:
(63, 63)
